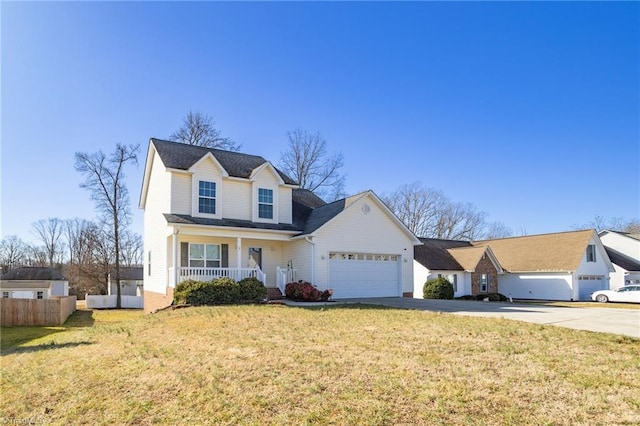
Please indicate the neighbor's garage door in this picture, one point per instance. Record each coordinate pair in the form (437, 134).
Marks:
(364, 275)
(587, 284)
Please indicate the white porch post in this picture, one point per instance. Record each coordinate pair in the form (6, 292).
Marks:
(238, 254)
(176, 230)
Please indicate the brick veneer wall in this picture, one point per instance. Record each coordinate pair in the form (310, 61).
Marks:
(484, 266)
(154, 301)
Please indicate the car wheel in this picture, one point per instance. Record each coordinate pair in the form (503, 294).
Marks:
(602, 298)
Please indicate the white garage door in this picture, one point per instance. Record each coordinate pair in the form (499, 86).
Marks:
(364, 275)
(587, 284)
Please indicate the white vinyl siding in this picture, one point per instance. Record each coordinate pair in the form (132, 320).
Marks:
(237, 200)
(159, 200)
(180, 193)
(206, 171)
(357, 232)
(285, 213)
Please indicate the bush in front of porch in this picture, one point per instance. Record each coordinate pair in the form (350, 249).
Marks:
(303, 291)
(221, 291)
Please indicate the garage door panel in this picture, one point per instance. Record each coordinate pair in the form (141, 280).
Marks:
(377, 277)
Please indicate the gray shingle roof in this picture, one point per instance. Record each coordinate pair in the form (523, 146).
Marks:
(321, 215)
(133, 273)
(181, 156)
(236, 223)
(622, 261)
(433, 254)
(28, 273)
(303, 202)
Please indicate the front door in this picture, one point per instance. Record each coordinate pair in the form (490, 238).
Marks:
(255, 257)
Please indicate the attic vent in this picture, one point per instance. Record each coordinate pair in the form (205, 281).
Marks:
(366, 209)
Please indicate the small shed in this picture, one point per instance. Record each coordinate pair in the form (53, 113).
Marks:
(33, 283)
(131, 281)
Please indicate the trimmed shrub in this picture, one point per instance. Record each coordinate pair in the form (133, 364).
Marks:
(303, 291)
(438, 288)
(466, 297)
(493, 297)
(252, 290)
(220, 291)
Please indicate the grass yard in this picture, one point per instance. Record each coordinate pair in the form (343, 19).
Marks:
(341, 365)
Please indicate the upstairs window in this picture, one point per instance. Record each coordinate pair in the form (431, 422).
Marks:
(206, 197)
(591, 253)
(204, 255)
(40, 295)
(265, 203)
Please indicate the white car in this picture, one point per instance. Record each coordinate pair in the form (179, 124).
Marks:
(627, 293)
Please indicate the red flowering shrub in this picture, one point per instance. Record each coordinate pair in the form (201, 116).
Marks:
(303, 291)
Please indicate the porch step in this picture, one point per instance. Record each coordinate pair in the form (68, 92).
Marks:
(274, 294)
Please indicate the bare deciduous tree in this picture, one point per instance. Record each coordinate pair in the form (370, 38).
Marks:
(131, 248)
(49, 232)
(306, 160)
(459, 221)
(13, 253)
(427, 212)
(496, 230)
(600, 223)
(200, 129)
(104, 178)
(417, 207)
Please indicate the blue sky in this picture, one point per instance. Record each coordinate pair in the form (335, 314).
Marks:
(530, 111)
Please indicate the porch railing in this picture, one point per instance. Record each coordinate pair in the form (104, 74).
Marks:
(208, 274)
(283, 277)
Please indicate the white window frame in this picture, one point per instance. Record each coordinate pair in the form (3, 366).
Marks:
(264, 203)
(208, 197)
(591, 253)
(485, 282)
(204, 259)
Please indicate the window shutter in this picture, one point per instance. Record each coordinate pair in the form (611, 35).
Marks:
(184, 255)
(225, 255)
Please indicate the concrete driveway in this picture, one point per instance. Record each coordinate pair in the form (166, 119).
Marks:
(605, 320)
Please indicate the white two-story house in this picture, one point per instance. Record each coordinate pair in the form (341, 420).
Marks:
(211, 213)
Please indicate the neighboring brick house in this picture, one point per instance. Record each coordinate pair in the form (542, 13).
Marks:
(471, 270)
(558, 266)
(210, 213)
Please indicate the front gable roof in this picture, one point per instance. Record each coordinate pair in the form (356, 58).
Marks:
(321, 215)
(469, 257)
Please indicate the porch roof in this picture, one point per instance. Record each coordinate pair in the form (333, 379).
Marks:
(183, 219)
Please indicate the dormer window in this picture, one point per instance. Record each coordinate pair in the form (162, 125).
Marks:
(265, 203)
(207, 197)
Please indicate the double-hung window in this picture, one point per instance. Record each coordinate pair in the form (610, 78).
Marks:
(206, 197)
(485, 280)
(265, 203)
(204, 255)
(591, 253)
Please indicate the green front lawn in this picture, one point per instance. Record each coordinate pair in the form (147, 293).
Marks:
(341, 365)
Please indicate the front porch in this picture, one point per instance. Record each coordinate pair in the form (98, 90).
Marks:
(283, 275)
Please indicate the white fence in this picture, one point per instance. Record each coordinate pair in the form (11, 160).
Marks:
(208, 274)
(105, 302)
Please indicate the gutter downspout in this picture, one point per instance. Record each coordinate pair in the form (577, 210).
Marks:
(176, 231)
(313, 259)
